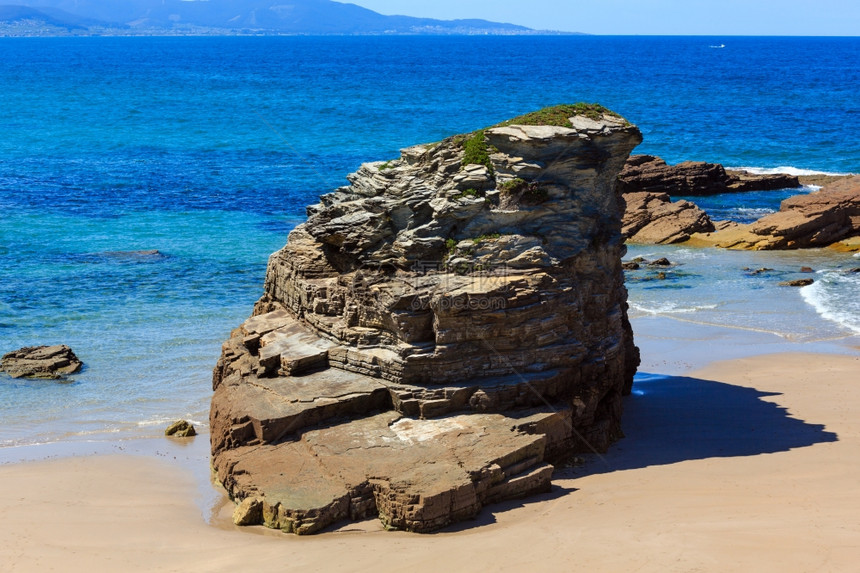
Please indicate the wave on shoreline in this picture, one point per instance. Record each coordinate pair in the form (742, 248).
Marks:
(832, 297)
(788, 170)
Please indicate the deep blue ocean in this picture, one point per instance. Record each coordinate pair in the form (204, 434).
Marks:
(208, 150)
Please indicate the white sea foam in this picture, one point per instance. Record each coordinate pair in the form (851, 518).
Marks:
(786, 169)
(685, 253)
(154, 421)
(670, 308)
(753, 211)
(157, 421)
(833, 296)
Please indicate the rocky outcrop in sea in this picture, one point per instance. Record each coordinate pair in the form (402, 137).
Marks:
(823, 218)
(648, 183)
(49, 362)
(827, 217)
(653, 218)
(437, 334)
(647, 173)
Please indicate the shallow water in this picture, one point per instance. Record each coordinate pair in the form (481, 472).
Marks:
(740, 289)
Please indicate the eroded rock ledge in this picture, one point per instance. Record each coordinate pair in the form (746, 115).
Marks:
(827, 217)
(653, 218)
(437, 333)
(647, 173)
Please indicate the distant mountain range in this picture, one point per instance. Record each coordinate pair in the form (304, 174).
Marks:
(52, 17)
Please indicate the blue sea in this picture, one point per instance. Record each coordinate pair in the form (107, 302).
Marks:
(208, 150)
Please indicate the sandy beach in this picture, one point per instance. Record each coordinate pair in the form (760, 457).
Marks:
(745, 464)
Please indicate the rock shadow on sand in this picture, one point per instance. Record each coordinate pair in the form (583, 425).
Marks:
(670, 419)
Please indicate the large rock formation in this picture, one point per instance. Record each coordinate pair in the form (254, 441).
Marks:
(818, 219)
(653, 218)
(437, 333)
(689, 178)
(50, 362)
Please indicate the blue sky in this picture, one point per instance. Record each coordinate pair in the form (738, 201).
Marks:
(663, 17)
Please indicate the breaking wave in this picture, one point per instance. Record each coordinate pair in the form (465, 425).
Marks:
(787, 169)
(833, 296)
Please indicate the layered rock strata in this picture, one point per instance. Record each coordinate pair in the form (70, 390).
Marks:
(437, 333)
(653, 218)
(646, 173)
(50, 362)
(823, 218)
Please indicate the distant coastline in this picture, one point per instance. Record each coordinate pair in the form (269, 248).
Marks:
(7, 31)
(48, 18)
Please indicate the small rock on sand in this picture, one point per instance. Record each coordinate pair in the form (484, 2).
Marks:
(180, 429)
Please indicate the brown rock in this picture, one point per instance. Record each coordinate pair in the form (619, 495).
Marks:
(740, 180)
(415, 474)
(180, 429)
(797, 283)
(818, 219)
(723, 225)
(849, 245)
(424, 347)
(51, 362)
(249, 512)
(820, 179)
(661, 262)
(652, 218)
(646, 173)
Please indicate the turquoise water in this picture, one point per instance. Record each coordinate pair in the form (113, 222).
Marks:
(147, 326)
(208, 150)
(729, 288)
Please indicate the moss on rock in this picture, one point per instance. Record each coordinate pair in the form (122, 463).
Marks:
(560, 115)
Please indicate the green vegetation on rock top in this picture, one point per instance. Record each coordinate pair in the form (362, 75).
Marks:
(560, 115)
(477, 151)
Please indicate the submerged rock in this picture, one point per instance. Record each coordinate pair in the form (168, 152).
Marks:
(661, 262)
(797, 283)
(133, 254)
(50, 362)
(437, 333)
